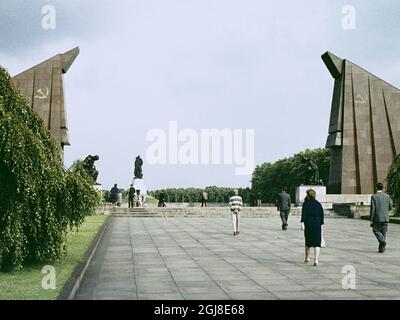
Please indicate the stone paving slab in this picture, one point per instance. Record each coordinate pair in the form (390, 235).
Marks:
(199, 258)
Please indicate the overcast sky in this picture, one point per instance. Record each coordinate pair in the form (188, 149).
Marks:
(235, 64)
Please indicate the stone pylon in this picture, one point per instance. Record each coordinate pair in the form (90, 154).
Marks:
(364, 129)
(42, 85)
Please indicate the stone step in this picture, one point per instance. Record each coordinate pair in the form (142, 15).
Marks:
(202, 212)
(196, 209)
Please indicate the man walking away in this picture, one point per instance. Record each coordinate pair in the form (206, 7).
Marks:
(381, 204)
(131, 196)
(283, 204)
(236, 204)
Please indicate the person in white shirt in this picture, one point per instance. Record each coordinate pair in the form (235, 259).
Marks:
(236, 204)
(119, 203)
(204, 198)
(138, 199)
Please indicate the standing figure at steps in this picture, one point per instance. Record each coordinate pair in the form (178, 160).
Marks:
(283, 204)
(138, 199)
(138, 168)
(204, 198)
(161, 199)
(258, 199)
(236, 204)
(131, 196)
(114, 194)
(381, 204)
(119, 202)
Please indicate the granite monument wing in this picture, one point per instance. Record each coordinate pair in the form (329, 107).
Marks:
(42, 85)
(364, 129)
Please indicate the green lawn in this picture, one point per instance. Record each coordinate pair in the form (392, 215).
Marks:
(27, 283)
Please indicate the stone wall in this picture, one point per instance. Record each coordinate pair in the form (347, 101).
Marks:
(351, 210)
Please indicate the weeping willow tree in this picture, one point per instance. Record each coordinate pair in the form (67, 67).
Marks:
(393, 183)
(39, 200)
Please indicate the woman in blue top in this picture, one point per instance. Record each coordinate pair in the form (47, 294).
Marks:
(312, 218)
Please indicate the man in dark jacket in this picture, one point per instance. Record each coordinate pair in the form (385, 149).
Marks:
(114, 194)
(131, 196)
(381, 204)
(161, 199)
(283, 203)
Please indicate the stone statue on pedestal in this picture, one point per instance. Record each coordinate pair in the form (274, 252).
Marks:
(88, 165)
(313, 167)
(138, 182)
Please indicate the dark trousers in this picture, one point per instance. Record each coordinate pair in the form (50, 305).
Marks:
(284, 216)
(380, 229)
(161, 203)
(204, 202)
(130, 200)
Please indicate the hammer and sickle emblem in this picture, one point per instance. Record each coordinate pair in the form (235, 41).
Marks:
(360, 99)
(41, 94)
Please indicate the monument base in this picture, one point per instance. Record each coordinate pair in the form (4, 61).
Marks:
(301, 193)
(360, 199)
(139, 184)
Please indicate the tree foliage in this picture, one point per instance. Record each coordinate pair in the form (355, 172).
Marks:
(39, 199)
(393, 183)
(269, 178)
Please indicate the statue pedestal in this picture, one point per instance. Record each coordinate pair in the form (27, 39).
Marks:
(138, 184)
(301, 193)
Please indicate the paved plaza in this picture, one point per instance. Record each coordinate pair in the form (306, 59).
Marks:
(199, 258)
